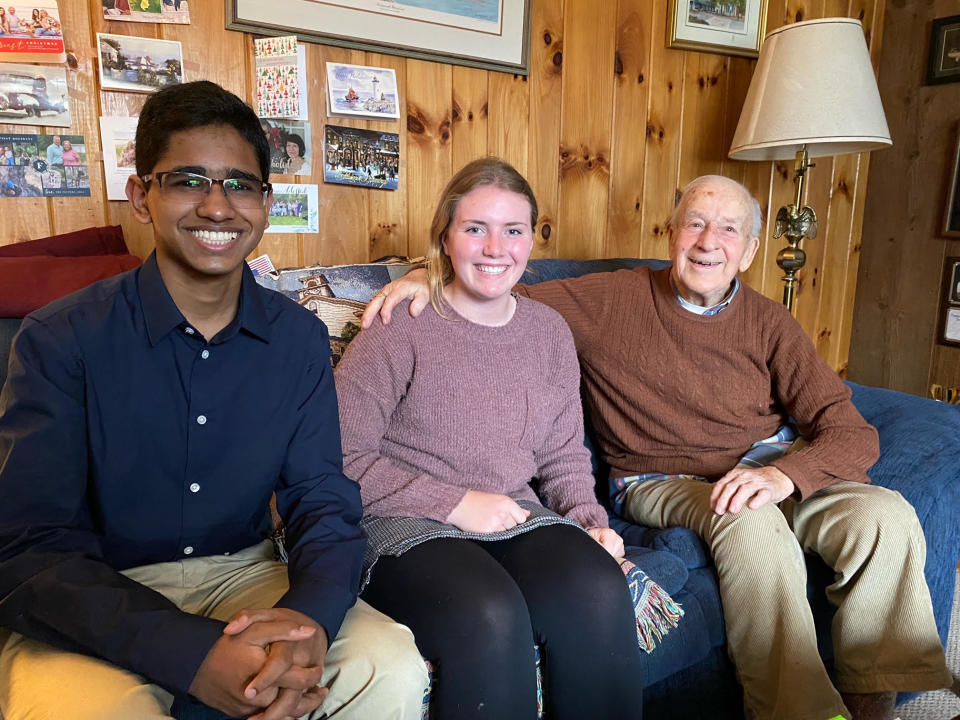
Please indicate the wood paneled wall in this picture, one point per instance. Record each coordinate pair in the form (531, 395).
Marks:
(898, 298)
(607, 127)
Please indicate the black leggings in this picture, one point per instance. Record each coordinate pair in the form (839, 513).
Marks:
(476, 609)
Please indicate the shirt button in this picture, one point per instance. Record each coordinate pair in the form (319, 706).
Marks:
(188, 330)
(205, 354)
(194, 487)
(188, 550)
(201, 419)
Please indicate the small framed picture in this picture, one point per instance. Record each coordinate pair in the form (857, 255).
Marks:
(951, 215)
(943, 65)
(729, 28)
(950, 306)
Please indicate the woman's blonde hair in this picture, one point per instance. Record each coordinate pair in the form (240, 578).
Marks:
(479, 173)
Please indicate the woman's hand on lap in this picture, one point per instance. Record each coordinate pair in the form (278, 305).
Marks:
(609, 540)
(485, 512)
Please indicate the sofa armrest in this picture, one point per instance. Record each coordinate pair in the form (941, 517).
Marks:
(919, 453)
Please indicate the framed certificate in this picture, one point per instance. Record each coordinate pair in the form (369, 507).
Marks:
(950, 303)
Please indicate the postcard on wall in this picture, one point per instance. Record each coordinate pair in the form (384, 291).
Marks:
(151, 11)
(138, 64)
(34, 95)
(43, 166)
(366, 158)
(118, 136)
(278, 77)
(362, 90)
(294, 209)
(31, 33)
(289, 142)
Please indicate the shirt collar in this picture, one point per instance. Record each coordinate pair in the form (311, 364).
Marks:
(162, 315)
(713, 309)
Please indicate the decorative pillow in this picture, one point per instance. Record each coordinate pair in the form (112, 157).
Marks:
(29, 283)
(90, 241)
(337, 295)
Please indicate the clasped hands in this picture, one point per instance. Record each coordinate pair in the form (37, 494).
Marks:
(483, 512)
(267, 665)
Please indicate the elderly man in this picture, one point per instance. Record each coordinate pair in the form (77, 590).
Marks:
(686, 370)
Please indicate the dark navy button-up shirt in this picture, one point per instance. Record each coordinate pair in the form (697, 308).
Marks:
(127, 439)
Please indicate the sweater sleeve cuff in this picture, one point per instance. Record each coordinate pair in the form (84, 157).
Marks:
(793, 466)
(589, 516)
(321, 600)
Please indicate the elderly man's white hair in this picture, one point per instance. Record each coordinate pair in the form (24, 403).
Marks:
(722, 180)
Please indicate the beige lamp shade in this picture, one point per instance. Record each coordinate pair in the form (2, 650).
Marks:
(814, 86)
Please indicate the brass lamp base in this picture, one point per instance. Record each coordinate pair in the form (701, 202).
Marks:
(796, 222)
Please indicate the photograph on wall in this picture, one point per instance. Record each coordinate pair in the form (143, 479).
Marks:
(34, 95)
(43, 166)
(730, 27)
(118, 139)
(951, 219)
(289, 142)
(138, 64)
(361, 90)
(365, 158)
(943, 62)
(278, 77)
(31, 33)
(294, 209)
(149, 11)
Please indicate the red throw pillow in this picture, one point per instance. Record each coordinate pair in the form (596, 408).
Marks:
(29, 283)
(90, 241)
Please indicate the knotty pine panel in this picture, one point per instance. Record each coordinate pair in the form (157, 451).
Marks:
(608, 126)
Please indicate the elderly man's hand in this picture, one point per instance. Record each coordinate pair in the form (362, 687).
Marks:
(753, 487)
(412, 285)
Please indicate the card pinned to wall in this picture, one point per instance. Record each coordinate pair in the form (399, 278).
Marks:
(294, 209)
(118, 135)
(281, 90)
(32, 33)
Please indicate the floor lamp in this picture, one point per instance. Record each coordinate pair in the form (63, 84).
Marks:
(813, 94)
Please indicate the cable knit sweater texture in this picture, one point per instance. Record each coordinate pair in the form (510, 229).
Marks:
(672, 392)
(432, 407)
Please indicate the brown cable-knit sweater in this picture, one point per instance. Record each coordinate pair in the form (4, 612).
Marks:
(433, 407)
(669, 391)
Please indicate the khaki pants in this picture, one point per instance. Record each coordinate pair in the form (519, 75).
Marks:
(884, 634)
(373, 668)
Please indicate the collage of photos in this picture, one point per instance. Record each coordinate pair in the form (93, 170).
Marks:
(43, 166)
(366, 158)
(151, 11)
(289, 142)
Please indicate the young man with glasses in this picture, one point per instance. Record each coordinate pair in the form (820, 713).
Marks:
(145, 424)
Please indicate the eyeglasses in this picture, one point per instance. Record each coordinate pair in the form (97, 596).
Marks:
(189, 187)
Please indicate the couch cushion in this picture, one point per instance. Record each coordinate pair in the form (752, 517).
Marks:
(89, 241)
(31, 282)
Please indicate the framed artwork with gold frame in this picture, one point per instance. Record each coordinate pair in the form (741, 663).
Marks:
(729, 27)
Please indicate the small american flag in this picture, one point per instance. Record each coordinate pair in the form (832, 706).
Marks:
(261, 265)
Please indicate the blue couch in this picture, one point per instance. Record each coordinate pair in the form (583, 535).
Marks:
(689, 676)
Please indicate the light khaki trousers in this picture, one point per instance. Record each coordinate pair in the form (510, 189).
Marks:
(373, 668)
(884, 634)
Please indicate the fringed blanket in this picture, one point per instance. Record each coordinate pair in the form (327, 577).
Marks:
(655, 610)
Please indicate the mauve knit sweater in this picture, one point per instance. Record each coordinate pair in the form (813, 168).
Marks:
(669, 391)
(432, 407)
